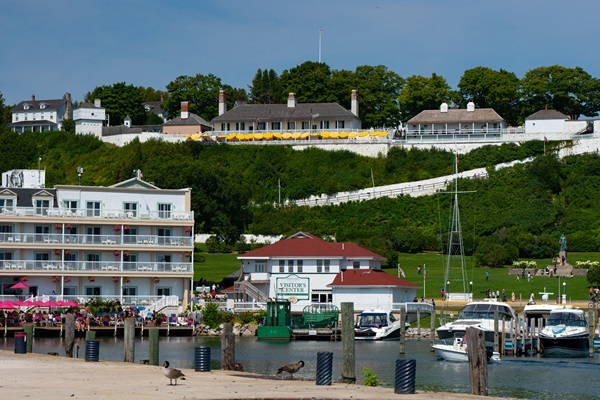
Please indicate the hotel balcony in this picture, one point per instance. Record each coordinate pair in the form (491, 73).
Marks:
(74, 214)
(86, 241)
(79, 268)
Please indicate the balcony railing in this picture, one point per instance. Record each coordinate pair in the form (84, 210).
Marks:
(86, 267)
(125, 239)
(97, 213)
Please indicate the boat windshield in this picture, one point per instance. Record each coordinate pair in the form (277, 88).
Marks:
(565, 318)
(485, 311)
(372, 320)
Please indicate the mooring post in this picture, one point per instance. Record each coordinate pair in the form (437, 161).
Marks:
(28, 328)
(515, 340)
(69, 325)
(227, 348)
(591, 332)
(496, 327)
(418, 324)
(478, 373)
(348, 365)
(402, 330)
(503, 338)
(129, 340)
(90, 335)
(153, 346)
(433, 315)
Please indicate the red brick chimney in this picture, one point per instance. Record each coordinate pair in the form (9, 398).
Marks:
(185, 110)
(292, 100)
(354, 103)
(222, 102)
(33, 97)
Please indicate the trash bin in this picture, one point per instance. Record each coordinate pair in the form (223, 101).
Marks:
(202, 359)
(20, 345)
(92, 350)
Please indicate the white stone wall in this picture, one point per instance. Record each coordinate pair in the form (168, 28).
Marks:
(544, 126)
(122, 140)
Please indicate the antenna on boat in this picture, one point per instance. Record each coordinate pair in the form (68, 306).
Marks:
(456, 281)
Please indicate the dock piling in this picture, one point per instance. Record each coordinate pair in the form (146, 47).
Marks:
(402, 330)
(129, 340)
(348, 351)
(227, 348)
(153, 346)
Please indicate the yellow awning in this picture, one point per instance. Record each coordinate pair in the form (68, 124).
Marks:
(304, 135)
(343, 135)
(296, 135)
(230, 136)
(363, 134)
(286, 136)
(334, 135)
(258, 136)
(268, 136)
(325, 135)
(277, 135)
(352, 135)
(239, 136)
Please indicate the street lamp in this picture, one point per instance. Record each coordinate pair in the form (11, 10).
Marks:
(471, 286)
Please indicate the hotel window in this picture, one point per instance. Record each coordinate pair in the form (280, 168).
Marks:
(324, 124)
(41, 206)
(305, 125)
(225, 126)
(291, 125)
(281, 266)
(321, 297)
(93, 291)
(260, 267)
(6, 228)
(326, 267)
(70, 205)
(240, 126)
(164, 210)
(339, 124)
(290, 266)
(300, 266)
(319, 265)
(5, 256)
(7, 204)
(131, 207)
(276, 126)
(355, 264)
(163, 291)
(129, 291)
(70, 291)
(92, 208)
(261, 126)
(130, 235)
(93, 235)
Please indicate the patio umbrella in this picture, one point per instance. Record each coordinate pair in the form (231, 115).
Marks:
(7, 305)
(19, 285)
(49, 303)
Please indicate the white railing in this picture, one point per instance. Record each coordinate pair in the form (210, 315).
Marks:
(115, 239)
(84, 267)
(99, 214)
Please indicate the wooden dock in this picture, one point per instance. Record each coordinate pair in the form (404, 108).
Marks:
(101, 331)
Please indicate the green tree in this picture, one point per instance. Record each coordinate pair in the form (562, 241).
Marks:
(378, 91)
(593, 275)
(309, 80)
(202, 93)
(487, 88)
(120, 100)
(571, 91)
(5, 116)
(421, 93)
(265, 87)
(68, 125)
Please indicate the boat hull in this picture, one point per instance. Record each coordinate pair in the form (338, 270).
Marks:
(572, 346)
(391, 333)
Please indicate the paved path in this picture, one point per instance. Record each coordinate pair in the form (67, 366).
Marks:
(36, 376)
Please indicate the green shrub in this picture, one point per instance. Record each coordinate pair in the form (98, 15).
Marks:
(370, 378)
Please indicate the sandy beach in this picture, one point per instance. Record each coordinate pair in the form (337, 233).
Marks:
(37, 376)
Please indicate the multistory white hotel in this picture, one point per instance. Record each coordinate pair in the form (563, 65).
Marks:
(131, 241)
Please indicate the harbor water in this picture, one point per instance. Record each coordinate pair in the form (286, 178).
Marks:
(530, 377)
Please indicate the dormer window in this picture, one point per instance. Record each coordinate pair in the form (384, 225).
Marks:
(42, 106)
(26, 106)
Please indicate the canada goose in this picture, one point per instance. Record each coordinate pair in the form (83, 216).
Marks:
(172, 373)
(292, 368)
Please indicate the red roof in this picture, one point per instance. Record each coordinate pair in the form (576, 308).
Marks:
(304, 244)
(369, 277)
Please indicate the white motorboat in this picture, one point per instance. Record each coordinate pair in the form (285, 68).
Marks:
(565, 334)
(377, 324)
(480, 314)
(457, 351)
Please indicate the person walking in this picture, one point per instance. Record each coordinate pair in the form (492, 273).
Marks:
(487, 275)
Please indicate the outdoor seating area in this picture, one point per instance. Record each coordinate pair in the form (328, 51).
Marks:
(296, 136)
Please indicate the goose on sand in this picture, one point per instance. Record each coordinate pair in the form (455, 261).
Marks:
(172, 373)
(292, 368)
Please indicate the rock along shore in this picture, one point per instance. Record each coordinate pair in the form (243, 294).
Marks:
(37, 376)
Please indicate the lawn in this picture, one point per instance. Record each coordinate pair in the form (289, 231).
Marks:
(435, 264)
(214, 267)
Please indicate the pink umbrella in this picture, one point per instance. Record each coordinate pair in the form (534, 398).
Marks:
(6, 305)
(19, 285)
(71, 303)
(26, 303)
(49, 303)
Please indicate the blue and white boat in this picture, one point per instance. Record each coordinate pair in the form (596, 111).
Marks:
(565, 334)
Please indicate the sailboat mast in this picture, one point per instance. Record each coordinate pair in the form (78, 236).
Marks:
(455, 277)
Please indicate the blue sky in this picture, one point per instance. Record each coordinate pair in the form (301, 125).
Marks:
(48, 48)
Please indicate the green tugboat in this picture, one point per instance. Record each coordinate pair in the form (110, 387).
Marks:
(277, 322)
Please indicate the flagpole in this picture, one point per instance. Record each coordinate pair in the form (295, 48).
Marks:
(424, 279)
(320, 35)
